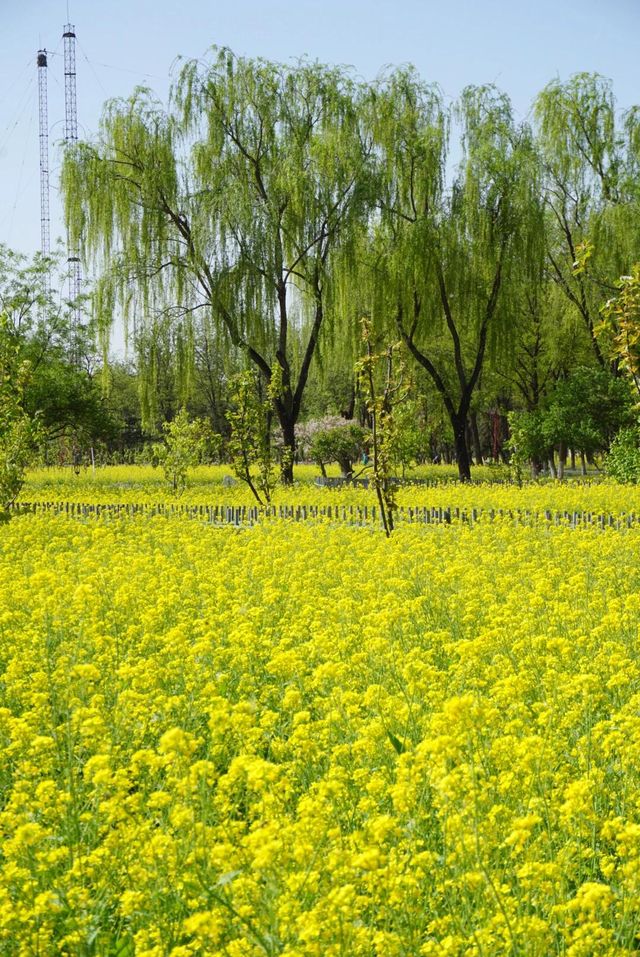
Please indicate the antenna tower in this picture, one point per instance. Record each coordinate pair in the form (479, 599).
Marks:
(45, 221)
(71, 138)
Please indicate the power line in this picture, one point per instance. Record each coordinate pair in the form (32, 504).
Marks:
(122, 69)
(19, 114)
(91, 67)
(30, 114)
(18, 79)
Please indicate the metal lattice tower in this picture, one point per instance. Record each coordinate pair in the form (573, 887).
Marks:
(45, 220)
(71, 138)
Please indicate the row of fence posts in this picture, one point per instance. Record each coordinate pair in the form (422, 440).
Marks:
(358, 515)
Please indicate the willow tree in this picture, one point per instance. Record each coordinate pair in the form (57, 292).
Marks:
(591, 157)
(445, 261)
(226, 209)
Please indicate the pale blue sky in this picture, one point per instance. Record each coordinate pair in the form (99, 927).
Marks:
(518, 45)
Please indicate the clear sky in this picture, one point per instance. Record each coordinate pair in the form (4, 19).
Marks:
(517, 45)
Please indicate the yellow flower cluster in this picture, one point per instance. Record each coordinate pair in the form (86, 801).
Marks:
(314, 742)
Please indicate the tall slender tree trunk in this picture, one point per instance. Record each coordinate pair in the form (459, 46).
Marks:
(562, 459)
(475, 437)
(462, 449)
(350, 407)
(288, 427)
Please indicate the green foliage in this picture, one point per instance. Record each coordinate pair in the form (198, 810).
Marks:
(225, 210)
(381, 378)
(577, 126)
(19, 432)
(120, 397)
(186, 443)
(410, 437)
(587, 409)
(254, 218)
(444, 263)
(591, 193)
(250, 448)
(343, 444)
(583, 413)
(35, 310)
(66, 397)
(620, 326)
(528, 444)
(70, 404)
(623, 461)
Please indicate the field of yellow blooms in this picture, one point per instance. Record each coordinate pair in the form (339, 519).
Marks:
(146, 485)
(312, 741)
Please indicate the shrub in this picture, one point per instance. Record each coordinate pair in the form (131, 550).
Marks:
(623, 461)
(186, 442)
(343, 444)
(19, 432)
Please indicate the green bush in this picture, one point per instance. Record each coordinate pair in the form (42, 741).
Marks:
(343, 444)
(19, 433)
(185, 445)
(623, 461)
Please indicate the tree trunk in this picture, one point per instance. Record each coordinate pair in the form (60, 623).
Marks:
(475, 436)
(462, 450)
(562, 459)
(350, 408)
(583, 460)
(573, 460)
(346, 467)
(289, 436)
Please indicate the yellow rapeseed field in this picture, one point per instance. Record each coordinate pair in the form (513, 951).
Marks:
(144, 484)
(309, 741)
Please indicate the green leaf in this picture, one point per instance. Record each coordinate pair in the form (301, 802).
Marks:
(396, 742)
